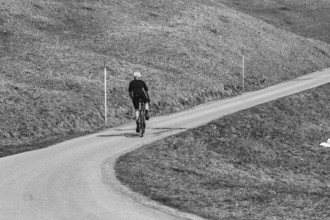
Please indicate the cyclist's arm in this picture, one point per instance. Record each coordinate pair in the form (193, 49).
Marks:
(147, 92)
(131, 95)
(130, 91)
(146, 89)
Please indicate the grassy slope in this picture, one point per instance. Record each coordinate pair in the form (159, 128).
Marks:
(189, 52)
(260, 163)
(309, 18)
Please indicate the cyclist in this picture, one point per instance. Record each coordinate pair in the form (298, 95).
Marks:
(138, 90)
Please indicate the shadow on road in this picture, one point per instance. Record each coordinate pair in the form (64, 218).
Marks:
(168, 128)
(164, 130)
(128, 135)
(134, 135)
(127, 129)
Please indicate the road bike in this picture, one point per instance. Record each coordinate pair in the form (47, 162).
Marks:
(142, 117)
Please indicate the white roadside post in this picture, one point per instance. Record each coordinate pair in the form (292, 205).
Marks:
(105, 93)
(243, 70)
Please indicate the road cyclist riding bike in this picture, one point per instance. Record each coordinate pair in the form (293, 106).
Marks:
(138, 91)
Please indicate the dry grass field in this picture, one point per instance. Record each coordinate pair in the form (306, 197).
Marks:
(309, 18)
(189, 52)
(260, 163)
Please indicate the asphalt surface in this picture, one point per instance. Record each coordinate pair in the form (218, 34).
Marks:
(74, 180)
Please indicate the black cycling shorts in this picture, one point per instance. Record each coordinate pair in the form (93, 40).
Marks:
(137, 96)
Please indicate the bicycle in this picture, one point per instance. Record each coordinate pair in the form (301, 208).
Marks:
(142, 118)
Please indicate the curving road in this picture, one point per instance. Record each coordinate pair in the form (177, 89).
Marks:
(74, 180)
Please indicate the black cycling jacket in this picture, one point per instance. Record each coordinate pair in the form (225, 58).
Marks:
(136, 86)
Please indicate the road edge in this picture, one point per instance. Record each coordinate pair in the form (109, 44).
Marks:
(109, 178)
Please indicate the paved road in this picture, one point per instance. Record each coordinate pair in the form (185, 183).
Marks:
(74, 180)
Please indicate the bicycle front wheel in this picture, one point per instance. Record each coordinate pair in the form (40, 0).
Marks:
(142, 124)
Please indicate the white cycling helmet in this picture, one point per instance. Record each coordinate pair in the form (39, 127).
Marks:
(137, 74)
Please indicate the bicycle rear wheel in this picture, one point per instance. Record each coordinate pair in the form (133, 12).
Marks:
(142, 123)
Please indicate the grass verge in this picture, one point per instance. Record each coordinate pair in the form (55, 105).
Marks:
(260, 163)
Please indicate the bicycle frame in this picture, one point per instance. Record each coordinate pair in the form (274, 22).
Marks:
(142, 119)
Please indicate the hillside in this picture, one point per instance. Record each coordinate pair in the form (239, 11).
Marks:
(308, 18)
(261, 163)
(189, 52)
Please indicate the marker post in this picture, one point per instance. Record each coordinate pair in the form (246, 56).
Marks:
(243, 70)
(105, 94)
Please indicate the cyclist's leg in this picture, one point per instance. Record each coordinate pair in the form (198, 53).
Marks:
(142, 118)
(147, 110)
(137, 113)
(137, 116)
(136, 106)
(146, 105)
